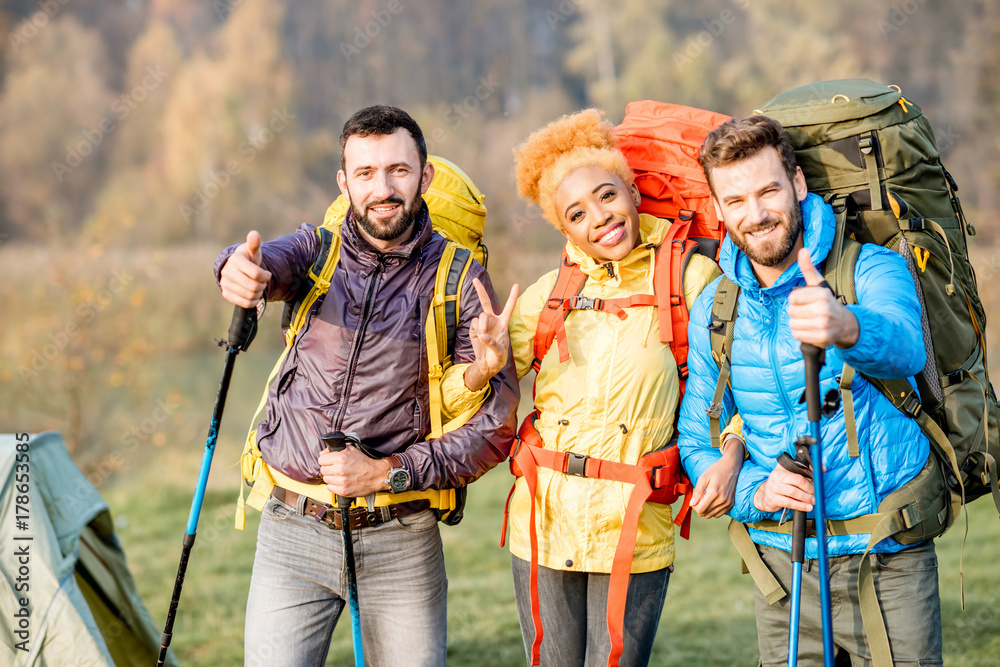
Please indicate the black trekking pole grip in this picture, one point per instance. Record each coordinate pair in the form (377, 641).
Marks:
(813, 358)
(337, 442)
(243, 328)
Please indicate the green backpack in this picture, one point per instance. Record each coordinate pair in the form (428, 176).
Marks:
(870, 153)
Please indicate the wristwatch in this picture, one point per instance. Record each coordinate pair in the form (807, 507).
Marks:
(398, 479)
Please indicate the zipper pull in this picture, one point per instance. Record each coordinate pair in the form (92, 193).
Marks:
(610, 268)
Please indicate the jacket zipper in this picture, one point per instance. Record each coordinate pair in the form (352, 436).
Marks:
(774, 361)
(610, 268)
(356, 352)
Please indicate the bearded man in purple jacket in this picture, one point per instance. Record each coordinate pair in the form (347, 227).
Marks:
(359, 365)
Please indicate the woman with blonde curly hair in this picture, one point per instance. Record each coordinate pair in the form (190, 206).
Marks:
(614, 400)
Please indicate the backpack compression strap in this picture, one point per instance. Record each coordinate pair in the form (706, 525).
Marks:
(722, 330)
(666, 481)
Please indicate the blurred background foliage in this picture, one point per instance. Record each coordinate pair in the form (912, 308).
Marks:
(140, 137)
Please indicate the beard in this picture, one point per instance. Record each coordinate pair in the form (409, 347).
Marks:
(392, 228)
(774, 251)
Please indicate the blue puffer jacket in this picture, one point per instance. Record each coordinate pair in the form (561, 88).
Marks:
(768, 380)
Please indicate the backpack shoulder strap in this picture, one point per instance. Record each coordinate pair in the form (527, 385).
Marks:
(722, 330)
(441, 328)
(838, 271)
(569, 282)
(315, 283)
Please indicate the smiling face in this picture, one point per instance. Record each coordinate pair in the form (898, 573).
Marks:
(383, 179)
(760, 207)
(598, 213)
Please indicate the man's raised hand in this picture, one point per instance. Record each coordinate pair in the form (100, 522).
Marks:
(490, 339)
(242, 279)
(814, 313)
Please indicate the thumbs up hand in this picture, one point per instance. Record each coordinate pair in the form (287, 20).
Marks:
(242, 279)
(814, 313)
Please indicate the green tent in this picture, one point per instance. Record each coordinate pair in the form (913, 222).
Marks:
(61, 559)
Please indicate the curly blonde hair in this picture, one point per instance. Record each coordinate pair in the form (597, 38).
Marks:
(582, 139)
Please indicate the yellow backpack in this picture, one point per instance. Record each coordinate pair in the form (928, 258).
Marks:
(458, 214)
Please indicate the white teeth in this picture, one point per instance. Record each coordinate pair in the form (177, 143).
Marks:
(762, 232)
(607, 235)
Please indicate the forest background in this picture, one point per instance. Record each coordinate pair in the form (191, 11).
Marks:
(138, 138)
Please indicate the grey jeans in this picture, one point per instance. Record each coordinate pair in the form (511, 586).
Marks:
(906, 584)
(574, 607)
(299, 588)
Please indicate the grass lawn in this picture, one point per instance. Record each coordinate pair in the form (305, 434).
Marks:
(707, 618)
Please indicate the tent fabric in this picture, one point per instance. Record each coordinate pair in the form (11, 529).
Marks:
(84, 606)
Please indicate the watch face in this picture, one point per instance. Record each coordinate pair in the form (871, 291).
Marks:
(399, 480)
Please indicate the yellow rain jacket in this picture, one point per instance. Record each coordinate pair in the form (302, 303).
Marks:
(615, 399)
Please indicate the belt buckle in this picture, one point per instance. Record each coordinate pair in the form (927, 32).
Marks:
(576, 464)
(329, 517)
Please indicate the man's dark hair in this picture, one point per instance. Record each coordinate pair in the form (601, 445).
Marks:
(737, 140)
(381, 120)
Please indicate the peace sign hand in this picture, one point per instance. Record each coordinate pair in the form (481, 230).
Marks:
(490, 339)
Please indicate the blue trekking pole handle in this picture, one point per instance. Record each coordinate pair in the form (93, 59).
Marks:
(813, 358)
(337, 442)
(241, 333)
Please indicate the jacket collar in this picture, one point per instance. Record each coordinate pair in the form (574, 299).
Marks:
(651, 232)
(819, 225)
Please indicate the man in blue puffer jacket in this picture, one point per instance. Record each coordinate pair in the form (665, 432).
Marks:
(777, 232)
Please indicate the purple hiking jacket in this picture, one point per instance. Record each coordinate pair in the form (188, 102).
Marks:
(359, 363)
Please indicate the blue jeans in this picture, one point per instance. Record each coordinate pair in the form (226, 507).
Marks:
(299, 589)
(574, 608)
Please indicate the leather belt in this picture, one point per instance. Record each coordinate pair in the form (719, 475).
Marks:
(360, 517)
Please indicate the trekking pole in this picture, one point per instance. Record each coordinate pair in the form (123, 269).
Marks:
(337, 442)
(241, 333)
(800, 466)
(814, 360)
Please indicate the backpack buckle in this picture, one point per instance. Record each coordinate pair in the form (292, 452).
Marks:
(912, 407)
(576, 464)
(714, 410)
(585, 303)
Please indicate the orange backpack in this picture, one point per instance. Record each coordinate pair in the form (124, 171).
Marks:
(660, 142)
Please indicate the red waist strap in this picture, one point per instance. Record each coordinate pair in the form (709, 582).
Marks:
(657, 478)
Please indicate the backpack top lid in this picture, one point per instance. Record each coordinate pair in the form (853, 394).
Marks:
(660, 142)
(835, 102)
(453, 195)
